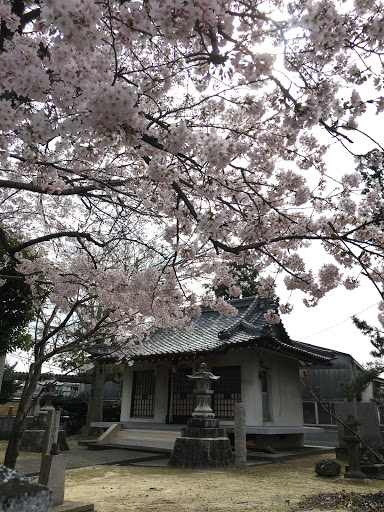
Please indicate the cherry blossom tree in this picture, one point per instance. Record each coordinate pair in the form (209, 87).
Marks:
(208, 121)
(78, 314)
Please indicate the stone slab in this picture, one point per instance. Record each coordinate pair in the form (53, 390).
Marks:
(285, 455)
(153, 440)
(74, 506)
(258, 463)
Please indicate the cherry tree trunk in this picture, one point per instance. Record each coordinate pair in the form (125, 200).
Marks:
(95, 404)
(18, 426)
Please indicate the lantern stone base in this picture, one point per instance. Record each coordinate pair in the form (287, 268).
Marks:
(195, 450)
(354, 474)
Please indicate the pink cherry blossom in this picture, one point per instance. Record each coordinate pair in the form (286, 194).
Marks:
(169, 127)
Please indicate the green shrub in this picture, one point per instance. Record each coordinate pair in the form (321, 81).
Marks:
(111, 410)
(75, 407)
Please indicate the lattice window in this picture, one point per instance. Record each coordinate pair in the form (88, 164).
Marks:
(183, 401)
(143, 396)
(309, 413)
(227, 390)
(264, 378)
(381, 414)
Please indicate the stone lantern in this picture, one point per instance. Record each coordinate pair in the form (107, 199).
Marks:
(203, 379)
(49, 394)
(203, 444)
(352, 442)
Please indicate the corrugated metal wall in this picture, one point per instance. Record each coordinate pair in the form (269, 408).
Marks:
(327, 379)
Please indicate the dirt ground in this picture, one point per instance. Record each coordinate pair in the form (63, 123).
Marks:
(268, 488)
(274, 487)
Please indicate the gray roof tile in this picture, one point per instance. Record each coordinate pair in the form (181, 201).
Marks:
(213, 332)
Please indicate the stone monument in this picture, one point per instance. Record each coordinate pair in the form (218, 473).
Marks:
(52, 474)
(203, 444)
(240, 437)
(20, 494)
(37, 437)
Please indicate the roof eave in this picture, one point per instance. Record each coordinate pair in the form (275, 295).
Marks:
(266, 343)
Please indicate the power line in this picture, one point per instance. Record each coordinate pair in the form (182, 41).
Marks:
(342, 322)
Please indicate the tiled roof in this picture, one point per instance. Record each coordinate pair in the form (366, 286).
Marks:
(213, 332)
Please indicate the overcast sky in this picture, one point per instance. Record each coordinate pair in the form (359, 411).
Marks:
(330, 325)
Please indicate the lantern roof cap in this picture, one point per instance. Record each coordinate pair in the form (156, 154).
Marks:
(203, 374)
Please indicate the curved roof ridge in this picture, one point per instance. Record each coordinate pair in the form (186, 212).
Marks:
(244, 320)
(226, 333)
(248, 326)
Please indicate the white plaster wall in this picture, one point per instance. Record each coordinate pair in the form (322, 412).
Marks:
(251, 387)
(287, 408)
(284, 385)
(161, 393)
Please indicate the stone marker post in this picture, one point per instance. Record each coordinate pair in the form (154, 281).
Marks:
(52, 467)
(240, 437)
(52, 474)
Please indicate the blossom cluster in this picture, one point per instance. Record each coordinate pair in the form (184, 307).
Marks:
(167, 129)
(74, 19)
